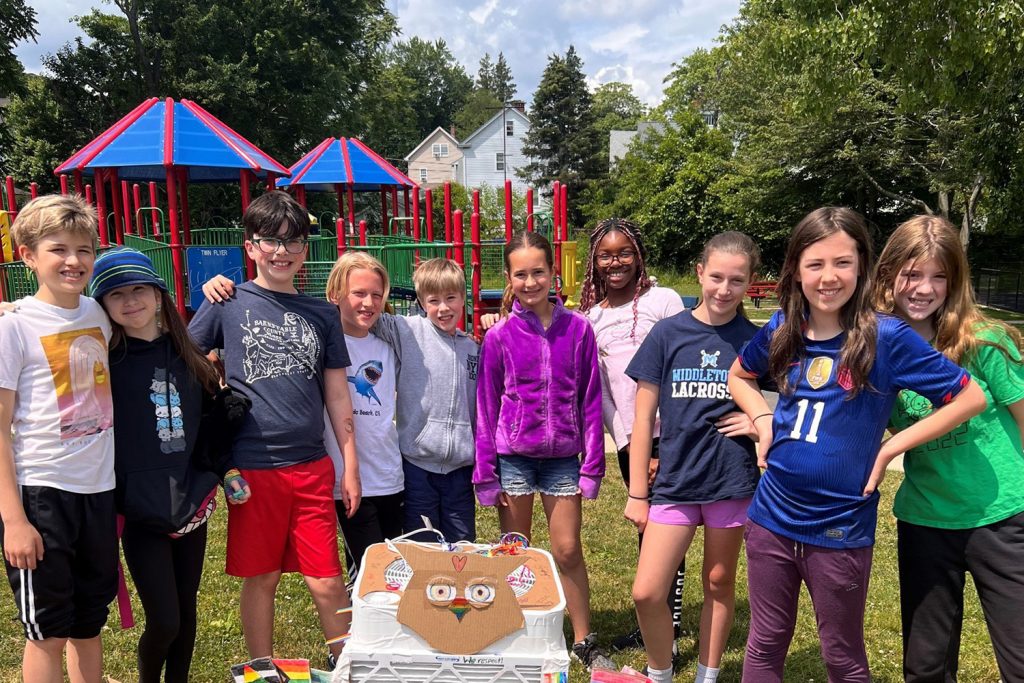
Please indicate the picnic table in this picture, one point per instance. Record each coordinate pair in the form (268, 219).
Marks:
(761, 290)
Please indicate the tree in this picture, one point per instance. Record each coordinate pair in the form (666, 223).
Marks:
(480, 106)
(615, 108)
(496, 77)
(562, 141)
(17, 24)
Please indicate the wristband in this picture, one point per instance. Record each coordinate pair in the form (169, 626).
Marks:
(637, 497)
(760, 416)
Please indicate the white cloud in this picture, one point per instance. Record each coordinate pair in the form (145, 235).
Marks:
(480, 14)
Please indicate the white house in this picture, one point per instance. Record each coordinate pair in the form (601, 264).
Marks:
(494, 151)
(433, 161)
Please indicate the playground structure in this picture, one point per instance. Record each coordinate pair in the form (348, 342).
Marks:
(179, 142)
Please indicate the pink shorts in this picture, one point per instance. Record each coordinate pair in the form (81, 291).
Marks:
(722, 514)
(289, 524)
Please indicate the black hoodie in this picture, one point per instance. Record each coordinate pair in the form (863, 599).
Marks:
(172, 438)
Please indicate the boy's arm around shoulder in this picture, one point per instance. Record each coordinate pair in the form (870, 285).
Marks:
(388, 329)
(338, 402)
(23, 546)
(592, 467)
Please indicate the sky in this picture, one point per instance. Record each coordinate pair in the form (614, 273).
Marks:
(633, 41)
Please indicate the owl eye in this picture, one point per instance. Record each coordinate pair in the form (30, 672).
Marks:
(480, 594)
(440, 594)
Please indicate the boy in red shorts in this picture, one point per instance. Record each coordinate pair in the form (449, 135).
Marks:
(286, 352)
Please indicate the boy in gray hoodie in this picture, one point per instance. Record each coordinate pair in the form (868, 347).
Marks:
(436, 402)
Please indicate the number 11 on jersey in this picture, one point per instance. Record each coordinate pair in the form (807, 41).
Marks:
(812, 435)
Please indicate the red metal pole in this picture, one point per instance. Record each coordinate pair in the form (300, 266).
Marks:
(339, 193)
(12, 201)
(529, 209)
(394, 204)
(176, 256)
(115, 198)
(300, 195)
(416, 213)
(137, 202)
(476, 201)
(383, 211)
(186, 218)
(351, 208)
(474, 255)
(508, 211)
(33, 190)
(339, 230)
(565, 213)
(88, 194)
(430, 216)
(448, 215)
(63, 183)
(362, 233)
(79, 187)
(101, 206)
(126, 207)
(407, 212)
(243, 176)
(556, 213)
(459, 255)
(271, 185)
(153, 216)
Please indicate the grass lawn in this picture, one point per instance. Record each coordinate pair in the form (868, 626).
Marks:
(610, 544)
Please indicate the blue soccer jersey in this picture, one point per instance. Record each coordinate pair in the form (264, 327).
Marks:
(825, 444)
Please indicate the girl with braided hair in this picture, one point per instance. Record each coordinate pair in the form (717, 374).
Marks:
(622, 303)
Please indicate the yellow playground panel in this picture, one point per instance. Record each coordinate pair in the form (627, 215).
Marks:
(6, 243)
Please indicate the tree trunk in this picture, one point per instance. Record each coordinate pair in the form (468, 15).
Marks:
(972, 201)
(130, 8)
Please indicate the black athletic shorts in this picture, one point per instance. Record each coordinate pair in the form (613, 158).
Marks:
(67, 594)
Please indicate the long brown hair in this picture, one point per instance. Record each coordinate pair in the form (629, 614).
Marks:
(170, 322)
(595, 289)
(958, 321)
(857, 318)
(523, 240)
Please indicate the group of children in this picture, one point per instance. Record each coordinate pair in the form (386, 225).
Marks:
(387, 424)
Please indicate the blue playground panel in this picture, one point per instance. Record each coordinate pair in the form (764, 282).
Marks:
(202, 263)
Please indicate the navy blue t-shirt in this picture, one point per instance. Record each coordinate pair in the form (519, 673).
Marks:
(276, 347)
(689, 361)
(824, 445)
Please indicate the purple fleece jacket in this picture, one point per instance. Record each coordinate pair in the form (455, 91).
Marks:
(538, 394)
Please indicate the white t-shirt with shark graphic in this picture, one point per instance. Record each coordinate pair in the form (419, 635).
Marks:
(371, 383)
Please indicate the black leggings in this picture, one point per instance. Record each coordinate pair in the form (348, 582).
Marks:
(377, 518)
(166, 572)
(675, 595)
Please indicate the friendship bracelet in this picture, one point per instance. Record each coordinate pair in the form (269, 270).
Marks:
(636, 497)
(760, 416)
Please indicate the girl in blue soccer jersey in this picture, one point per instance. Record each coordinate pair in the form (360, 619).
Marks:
(708, 468)
(839, 367)
(961, 504)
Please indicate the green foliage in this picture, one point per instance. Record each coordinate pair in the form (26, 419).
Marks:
(492, 210)
(562, 140)
(17, 24)
(615, 108)
(480, 106)
(496, 77)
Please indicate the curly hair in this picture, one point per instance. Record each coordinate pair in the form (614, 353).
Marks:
(594, 289)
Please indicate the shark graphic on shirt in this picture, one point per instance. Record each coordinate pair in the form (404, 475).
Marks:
(366, 378)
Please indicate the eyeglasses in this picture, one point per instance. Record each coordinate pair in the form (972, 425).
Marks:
(270, 245)
(623, 257)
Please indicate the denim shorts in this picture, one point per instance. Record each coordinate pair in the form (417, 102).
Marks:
(522, 476)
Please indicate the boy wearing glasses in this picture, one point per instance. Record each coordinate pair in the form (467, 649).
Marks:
(286, 352)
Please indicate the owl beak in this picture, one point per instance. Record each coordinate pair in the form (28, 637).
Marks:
(459, 607)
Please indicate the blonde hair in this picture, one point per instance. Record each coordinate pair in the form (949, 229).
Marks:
(53, 213)
(337, 281)
(958, 321)
(438, 276)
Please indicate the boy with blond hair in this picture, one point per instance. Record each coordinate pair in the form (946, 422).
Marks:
(57, 513)
(436, 404)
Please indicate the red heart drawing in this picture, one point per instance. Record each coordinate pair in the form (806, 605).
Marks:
(459, 562)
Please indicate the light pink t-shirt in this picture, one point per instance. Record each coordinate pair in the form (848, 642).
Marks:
(616, 343)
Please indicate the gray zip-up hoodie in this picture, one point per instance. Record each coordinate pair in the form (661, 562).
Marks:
(436, 403)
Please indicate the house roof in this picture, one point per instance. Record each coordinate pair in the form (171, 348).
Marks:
(434, 132)
(507, 111)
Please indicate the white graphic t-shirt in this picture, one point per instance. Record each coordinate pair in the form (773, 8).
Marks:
(371, 382)
(55, 360)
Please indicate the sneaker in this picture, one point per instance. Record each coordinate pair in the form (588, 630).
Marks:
(589, 654)
(635, 640)
(332, 661)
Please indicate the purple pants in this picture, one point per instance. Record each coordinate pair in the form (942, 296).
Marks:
(837, 581)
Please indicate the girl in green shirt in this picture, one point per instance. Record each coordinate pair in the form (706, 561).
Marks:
(960, 507)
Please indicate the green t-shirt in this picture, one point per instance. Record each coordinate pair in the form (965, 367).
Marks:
(973, 475)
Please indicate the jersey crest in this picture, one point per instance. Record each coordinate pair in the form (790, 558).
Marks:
(818, 371)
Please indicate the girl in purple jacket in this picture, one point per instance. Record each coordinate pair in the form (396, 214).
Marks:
(538, 411)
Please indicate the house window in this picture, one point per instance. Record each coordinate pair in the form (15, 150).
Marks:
(710, 118)
(510, 128)
(440, 149)
(499, 161)
(423, 175)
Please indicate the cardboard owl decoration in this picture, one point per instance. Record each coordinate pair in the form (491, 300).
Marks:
(459, 602)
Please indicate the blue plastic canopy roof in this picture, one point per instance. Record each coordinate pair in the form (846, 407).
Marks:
(344, 161)
(159, 134)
